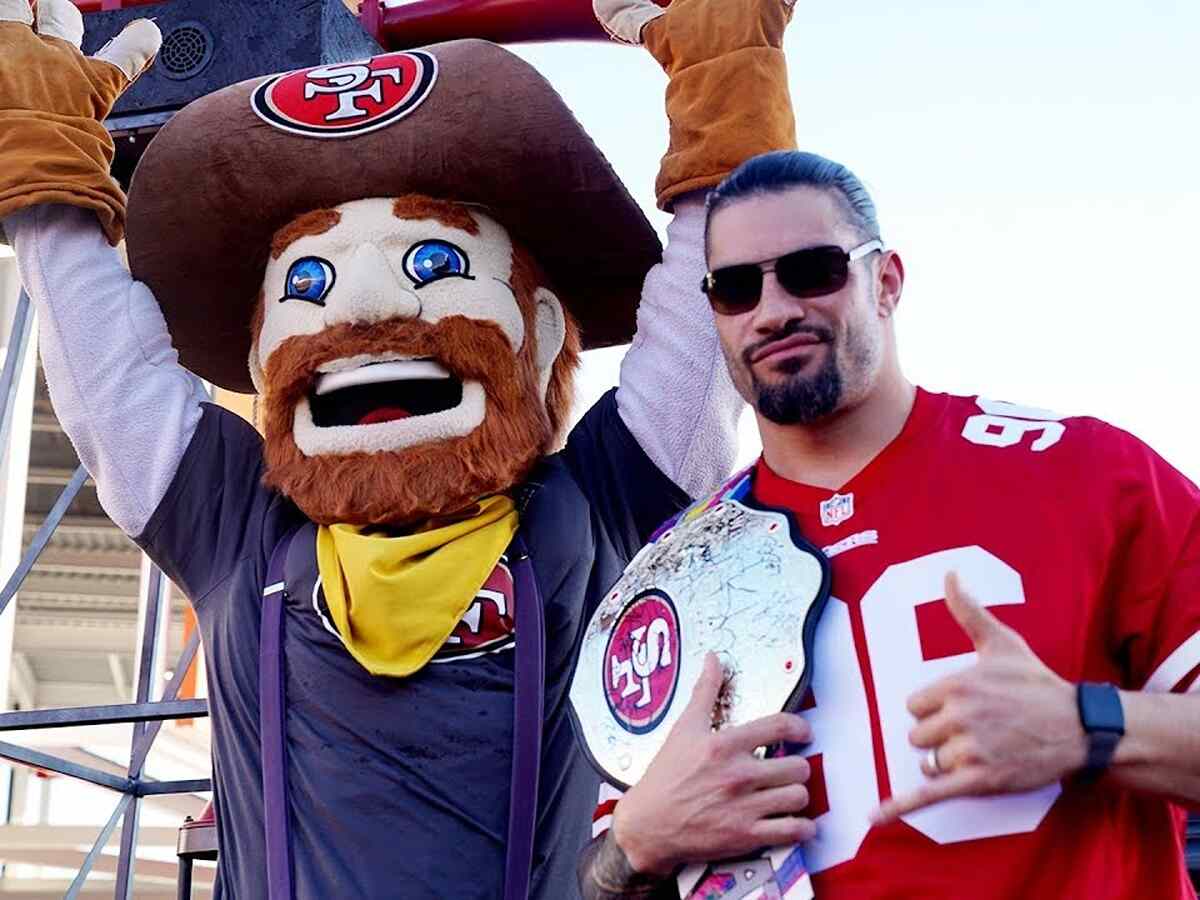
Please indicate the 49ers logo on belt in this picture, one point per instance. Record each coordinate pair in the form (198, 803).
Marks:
(347, 99)
(641, 662)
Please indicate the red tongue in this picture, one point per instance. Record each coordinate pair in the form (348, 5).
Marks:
(384, 414)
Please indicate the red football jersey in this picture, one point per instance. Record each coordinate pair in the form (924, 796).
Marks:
(1072, 532)
(1075, 534)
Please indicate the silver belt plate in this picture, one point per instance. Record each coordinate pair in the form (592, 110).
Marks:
(734, 580)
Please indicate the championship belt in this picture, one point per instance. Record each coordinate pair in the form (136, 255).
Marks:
(723, 577)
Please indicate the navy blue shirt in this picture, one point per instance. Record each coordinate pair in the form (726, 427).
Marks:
(398, 787)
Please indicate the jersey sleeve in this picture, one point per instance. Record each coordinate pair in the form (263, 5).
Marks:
(629, 493)
(216, 511)
(606, 804)
(1155, 584)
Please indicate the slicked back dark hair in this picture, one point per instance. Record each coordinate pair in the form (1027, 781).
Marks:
(772, 173)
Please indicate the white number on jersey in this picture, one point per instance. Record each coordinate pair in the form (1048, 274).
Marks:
(841, 720)
(1005, 424)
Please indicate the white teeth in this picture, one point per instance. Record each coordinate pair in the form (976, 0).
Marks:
(346, 363)
(400, 370)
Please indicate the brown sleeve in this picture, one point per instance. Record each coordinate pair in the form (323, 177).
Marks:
(54, 147)
(727, 99)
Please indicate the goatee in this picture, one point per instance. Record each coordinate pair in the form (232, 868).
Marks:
(799, 400)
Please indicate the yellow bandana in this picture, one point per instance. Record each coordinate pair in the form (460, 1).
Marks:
(395, 600)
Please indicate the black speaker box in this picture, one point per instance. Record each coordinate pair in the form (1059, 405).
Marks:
(208, 44)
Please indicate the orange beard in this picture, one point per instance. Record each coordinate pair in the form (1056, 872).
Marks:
(427, 480)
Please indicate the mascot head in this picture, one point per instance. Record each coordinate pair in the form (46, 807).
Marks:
(409, 358)
(402, 257)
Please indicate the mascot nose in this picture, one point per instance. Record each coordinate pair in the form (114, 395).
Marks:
(368, 290)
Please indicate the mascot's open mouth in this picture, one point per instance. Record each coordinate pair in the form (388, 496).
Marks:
(383, 391)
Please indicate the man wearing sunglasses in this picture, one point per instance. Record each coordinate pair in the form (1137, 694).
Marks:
(1006, 679)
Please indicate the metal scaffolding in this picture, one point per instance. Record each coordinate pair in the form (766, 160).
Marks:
(146, 715)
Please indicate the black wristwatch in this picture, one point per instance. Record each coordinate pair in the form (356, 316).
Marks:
(1103, 720)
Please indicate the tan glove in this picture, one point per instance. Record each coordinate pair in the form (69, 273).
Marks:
(53, 101)
(727, 99)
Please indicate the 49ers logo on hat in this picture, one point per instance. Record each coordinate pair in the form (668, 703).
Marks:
(641, 662)
(347, 99)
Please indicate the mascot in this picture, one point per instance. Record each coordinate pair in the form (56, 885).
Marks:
(402, 257)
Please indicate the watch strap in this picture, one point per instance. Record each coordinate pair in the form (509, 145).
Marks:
(1103, 721)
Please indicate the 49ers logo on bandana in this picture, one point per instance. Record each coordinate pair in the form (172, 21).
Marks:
(346, 99)
(488, 625)
(641, 662)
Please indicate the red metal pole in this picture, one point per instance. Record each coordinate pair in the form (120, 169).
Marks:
(371, 16)
(91, 6)
(419, 22)
(503, 21)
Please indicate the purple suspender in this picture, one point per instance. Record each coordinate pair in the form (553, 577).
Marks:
(529, 677)
(270, 727)
(528, 699)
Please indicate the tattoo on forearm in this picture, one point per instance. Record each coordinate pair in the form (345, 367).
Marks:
(605, 874)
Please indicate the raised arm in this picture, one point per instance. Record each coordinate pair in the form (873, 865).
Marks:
(115, 382)
(727, 101)
(675, 394)
(123, 399)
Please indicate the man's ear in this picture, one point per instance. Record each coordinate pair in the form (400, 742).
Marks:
(891, 283)
(550, 331)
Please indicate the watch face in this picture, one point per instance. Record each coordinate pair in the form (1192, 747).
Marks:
(1100, 708)
(1104, 721)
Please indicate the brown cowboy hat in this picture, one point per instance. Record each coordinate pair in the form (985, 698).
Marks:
(464, 120)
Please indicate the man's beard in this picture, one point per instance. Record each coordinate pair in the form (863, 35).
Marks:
(420, 482)
(796, 399)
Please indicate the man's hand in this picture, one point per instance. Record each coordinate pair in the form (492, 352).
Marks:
(53, 144)
(1006, 724)
(707, 795)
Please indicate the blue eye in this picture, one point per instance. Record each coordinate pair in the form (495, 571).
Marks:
(431, 261)
(309, 279)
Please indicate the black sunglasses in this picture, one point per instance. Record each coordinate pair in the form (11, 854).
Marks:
(811, 272)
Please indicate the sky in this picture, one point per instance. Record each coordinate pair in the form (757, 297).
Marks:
(1034, 163)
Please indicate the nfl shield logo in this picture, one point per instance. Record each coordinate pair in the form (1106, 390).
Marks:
(837, 509)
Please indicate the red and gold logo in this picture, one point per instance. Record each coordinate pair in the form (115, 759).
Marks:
(347, 99)
(641, 662)
(489, 624)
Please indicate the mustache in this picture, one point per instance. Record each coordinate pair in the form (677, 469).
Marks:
(793, 327)
(425, 480)
(471, 350)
